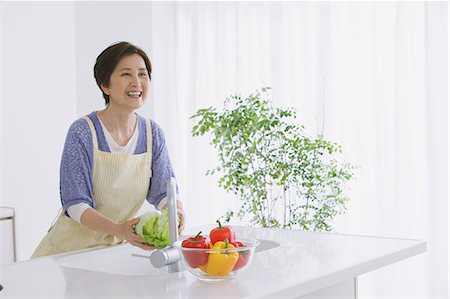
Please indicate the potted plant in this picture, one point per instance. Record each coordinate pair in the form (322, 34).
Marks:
(283, 177)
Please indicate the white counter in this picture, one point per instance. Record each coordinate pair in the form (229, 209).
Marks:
(302, 264)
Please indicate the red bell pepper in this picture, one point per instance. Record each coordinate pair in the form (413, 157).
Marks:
(195, 258)
(221, 233)
(244, 256)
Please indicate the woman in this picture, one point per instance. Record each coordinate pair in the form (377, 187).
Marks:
(112, 161)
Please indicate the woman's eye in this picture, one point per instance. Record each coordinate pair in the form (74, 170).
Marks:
(125, 74)
(143, 74)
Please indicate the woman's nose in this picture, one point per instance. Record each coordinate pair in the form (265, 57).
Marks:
(136, 81)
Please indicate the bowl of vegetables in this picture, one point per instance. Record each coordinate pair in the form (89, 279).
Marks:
(220, 257)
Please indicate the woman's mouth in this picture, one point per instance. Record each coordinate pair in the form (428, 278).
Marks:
(134, 94)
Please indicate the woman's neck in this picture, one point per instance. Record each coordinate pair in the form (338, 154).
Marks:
(120, 124)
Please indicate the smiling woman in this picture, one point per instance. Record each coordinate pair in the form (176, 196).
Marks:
(113, 160)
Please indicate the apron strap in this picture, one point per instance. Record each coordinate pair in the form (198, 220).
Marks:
(94, 133)
(149, 139)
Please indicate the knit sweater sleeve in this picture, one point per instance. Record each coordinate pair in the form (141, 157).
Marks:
(161, 166)
(76, 166)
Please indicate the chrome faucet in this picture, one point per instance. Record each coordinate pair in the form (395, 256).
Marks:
(169, 256)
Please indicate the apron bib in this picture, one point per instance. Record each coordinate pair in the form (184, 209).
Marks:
(120, 186)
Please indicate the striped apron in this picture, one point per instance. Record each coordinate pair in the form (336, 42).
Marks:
(120, 186)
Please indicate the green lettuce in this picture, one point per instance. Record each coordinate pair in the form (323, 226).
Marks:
(153, 227)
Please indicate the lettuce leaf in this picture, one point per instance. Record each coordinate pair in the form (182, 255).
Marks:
(153, 227)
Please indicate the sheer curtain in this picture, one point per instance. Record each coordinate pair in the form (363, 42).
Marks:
(370, 76)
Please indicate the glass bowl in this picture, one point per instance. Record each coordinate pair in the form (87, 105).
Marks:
(218, 264)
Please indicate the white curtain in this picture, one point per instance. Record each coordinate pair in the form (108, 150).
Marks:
(370, 76)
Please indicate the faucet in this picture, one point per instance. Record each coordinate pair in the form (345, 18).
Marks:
(169, 256)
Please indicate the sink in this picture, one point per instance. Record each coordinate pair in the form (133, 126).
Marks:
(120, 260)
(127, 260)
(266, 245)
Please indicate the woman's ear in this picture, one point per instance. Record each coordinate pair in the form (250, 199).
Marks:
(105, 89)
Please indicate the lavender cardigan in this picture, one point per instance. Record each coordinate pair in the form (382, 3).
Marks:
(77, 162)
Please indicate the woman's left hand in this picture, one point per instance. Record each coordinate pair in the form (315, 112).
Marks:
(180, 214)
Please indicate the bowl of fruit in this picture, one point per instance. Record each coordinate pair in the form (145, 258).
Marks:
(220, 257)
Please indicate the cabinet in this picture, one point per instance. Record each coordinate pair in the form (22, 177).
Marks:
(7, 236)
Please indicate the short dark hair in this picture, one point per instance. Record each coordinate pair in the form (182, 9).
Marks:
(107, 61)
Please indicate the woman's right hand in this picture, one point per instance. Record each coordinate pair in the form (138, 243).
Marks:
(94, 220)
(126, 231)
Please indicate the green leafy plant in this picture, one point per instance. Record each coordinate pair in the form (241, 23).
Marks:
(283, 177)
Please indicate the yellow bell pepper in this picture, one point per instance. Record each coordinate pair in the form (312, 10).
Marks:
(221, 262)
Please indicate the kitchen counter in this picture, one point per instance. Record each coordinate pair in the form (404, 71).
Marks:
(292, 264)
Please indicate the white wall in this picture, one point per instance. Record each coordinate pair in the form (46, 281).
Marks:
(38, 104)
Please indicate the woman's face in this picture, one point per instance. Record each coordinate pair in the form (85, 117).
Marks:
(129, 83)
